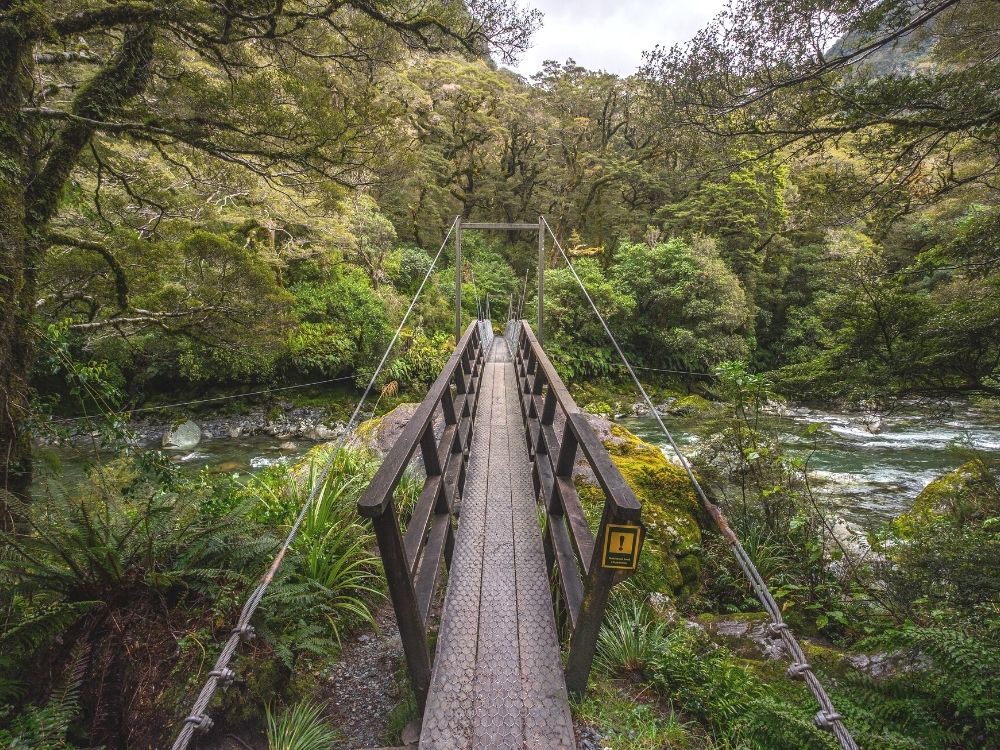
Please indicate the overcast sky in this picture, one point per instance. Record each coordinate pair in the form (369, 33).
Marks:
(612, 34)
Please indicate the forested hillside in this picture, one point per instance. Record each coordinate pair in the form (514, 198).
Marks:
(198, 198)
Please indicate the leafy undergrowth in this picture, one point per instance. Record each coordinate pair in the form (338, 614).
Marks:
(629, 715)
(149, 569)
(659, 685)
(300, 727)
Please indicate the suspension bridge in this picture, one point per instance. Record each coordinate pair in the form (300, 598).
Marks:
(498, 556)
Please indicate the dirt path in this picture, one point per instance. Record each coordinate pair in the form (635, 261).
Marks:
(361, 689)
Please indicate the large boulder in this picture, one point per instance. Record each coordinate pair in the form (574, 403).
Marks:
(182, 436)
(969, 493)
(379, 434)
(671, 558)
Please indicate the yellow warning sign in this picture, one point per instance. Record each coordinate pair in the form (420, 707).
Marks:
(621, 547)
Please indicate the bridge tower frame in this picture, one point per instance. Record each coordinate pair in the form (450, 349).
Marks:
(461, 226)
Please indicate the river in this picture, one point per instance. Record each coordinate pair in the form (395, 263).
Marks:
(867, 476)
(62, 468)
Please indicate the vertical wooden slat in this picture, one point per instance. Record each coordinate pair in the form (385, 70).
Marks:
(404, 602)
(567, 452)
(448, 406)
(429, 452)
(549, 407)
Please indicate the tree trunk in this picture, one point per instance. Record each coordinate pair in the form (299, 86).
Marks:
(17, 274)
(29, 198)
(16, 353)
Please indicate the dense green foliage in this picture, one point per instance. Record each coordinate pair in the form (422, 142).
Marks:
(195, 197)
(141, 553)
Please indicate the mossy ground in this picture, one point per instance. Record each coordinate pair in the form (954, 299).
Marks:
(609, 397)
(692, 404)
(629, 716)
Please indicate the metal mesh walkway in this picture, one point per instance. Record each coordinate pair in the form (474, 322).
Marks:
(498, 681)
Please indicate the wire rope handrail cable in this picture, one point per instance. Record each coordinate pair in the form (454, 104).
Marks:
(827, 717)
(211, 399)
(221, 674)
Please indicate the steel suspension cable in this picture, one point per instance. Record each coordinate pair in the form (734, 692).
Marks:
(524, 293)
(827, 717)
(221, 674)
(475, 288)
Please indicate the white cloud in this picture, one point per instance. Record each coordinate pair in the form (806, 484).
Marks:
(612, 35)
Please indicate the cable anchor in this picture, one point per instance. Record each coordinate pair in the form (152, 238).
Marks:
(202, 722)
(826, 719)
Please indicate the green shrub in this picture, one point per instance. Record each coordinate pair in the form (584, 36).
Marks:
(629, 637)
(331, 567)
(409, 268)
(342, 323)
(301, 727)
(335, 559)
(691, 309)
(419, 358)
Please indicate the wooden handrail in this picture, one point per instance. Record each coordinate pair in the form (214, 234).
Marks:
(413, 562)
(373, 501)
(571, 548)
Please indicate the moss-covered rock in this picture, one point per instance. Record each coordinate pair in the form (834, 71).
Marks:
(379, 434)
(690, 405)
(671, 557)
(969, 492)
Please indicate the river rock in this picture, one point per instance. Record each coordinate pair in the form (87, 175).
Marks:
(748, 636)
(871, 422)
(183, 436)
(321, 432)
(878, 665)
(849, 539)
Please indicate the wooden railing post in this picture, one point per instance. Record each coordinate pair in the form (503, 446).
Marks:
(404, 603)
(596, 592)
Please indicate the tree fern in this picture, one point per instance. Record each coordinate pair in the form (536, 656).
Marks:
(47, 726)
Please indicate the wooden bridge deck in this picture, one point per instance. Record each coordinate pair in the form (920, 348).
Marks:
(497, 681)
